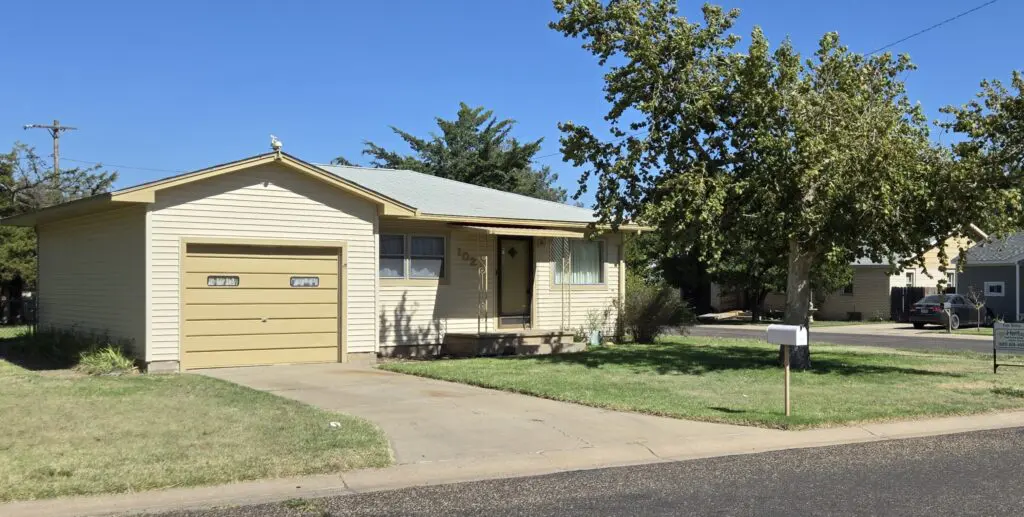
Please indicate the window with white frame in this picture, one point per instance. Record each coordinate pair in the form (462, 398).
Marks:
(995, 288)
(951, 279)
(426, 256)
(585, 262)
(392, 256)
(412, 256)
(910, 279)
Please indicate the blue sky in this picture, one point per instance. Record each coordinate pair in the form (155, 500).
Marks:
(182, 85)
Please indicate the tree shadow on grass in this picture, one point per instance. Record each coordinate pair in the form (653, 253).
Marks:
(30, 354)
(698, 360)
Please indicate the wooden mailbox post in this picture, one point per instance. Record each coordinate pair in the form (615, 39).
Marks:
(788, 336)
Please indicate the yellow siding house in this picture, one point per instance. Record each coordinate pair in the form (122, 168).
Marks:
(271, 259)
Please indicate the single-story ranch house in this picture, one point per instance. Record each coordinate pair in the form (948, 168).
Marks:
(271, 259)
(992, 270)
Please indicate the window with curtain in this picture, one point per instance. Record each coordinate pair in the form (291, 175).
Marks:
(392, 256)
(415, 256)
(585, 261)
(426, 257)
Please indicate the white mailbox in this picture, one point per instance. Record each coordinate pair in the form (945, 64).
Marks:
(792, 335)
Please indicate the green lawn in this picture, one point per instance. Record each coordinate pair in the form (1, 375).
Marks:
(64, 434)
(12, 331)
(814, 324)
(739, 381)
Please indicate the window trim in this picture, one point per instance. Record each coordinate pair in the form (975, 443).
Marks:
(603, 253)
(407, 279)
(910, 279)
(405, 256)
(951, 279)
(1002, 289)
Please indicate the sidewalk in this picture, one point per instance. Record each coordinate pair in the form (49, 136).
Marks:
(514, 465)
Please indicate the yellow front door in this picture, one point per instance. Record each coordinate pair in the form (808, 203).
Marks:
(248, 305)
(515, 262)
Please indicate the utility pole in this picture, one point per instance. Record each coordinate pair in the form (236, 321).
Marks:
(55, 130)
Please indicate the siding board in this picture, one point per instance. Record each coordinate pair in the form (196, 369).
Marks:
(421, 315)
(92, 275)
(266, 202)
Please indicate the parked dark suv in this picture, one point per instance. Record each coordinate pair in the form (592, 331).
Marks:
(928, 311)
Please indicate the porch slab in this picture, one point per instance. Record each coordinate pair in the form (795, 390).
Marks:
(518, 342)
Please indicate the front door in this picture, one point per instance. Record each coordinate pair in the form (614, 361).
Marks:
(515, 280)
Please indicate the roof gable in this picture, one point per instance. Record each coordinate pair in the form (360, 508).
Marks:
(146, 192)
(1007, 250)
(398, 193)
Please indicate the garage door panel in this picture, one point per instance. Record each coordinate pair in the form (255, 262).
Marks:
(234, 295)
(255, 326)
(260, 280)
(198, 249)
(217, 265)
(262, 342)
(262, 320)
(261, 357)
(259, 310)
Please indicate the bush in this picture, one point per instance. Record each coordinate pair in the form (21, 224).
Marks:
(104, 361)
(56, 348)
(650, 309)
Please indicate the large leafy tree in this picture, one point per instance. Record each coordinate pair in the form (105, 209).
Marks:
(822, 159)
(28, 183)
(990, 151)
(474, 148)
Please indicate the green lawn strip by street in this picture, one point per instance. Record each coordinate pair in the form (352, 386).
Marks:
(740, 381)
(814, 324)
(970, 331)
(65, 434)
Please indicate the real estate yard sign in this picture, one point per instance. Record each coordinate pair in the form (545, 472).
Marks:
(1006, 338)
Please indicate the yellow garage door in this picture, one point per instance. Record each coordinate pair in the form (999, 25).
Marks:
(251, 305)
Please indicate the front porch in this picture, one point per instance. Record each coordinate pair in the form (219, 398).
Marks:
(510, 342)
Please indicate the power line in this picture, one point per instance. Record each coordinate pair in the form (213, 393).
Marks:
(55, 130)
(936, 26)
(89, 162)
(889, 45)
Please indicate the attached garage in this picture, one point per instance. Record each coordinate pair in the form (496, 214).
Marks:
(271, 260)
(245, 304)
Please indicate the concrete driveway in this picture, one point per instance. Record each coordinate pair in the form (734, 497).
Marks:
(430, 421)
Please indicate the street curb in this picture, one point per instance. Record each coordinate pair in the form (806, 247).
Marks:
(495, 467)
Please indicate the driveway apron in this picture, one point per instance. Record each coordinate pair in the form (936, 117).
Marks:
(428, 420)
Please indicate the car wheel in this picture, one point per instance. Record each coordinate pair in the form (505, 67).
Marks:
(954, 322)
(919, 325)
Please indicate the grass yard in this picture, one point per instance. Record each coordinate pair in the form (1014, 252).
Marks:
(740, 382)
(64, 434)
(814, 324)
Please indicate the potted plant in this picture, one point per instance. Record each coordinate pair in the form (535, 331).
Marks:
(596, 320)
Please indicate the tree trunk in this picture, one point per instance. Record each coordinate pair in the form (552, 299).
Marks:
(798, 300)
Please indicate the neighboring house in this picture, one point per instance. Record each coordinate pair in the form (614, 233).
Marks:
(271, 259)
(992, 269)
(869, 295)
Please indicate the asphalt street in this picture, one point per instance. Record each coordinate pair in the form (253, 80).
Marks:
(824, 336)
(967, 474)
